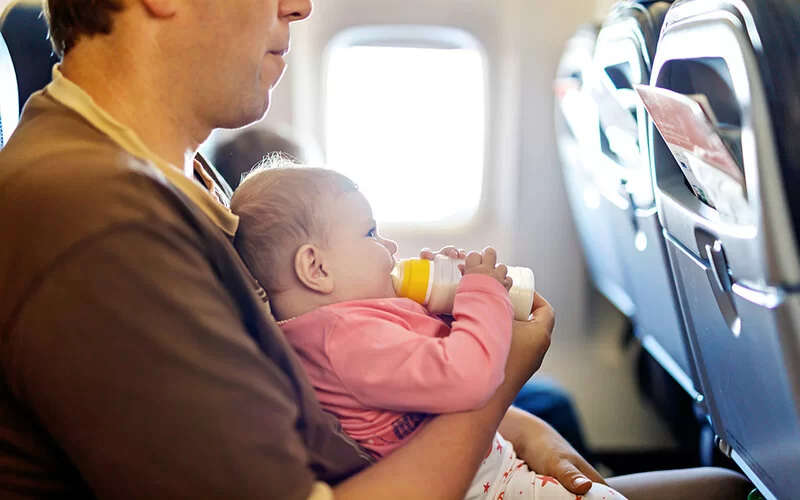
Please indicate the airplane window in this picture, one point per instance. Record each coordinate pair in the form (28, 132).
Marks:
(406, 123)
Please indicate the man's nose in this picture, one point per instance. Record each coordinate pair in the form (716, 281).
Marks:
(296, 10)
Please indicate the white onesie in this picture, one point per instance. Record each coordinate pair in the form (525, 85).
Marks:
(502, 476)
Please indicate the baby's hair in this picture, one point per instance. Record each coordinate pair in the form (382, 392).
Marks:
(280, 205)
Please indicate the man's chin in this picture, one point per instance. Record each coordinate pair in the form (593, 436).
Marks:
(247, 116)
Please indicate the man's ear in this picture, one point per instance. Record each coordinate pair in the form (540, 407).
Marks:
(161, 8)
(312, 270)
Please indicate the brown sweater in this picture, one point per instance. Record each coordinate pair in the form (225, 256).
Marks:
(136, 358)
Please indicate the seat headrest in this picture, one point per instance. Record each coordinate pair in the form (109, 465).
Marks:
(9, 104)
(25, 30)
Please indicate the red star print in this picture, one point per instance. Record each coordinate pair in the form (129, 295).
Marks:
(498, 446)
(500, 496)
(578, 497)
(505, 474)
(548, 479)
(486, 488)
(521, 465)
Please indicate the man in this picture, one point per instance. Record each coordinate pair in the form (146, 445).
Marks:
(137, 359)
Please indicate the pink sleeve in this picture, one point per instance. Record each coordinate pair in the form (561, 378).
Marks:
(384, 364)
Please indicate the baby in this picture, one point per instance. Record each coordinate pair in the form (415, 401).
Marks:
(382, 364)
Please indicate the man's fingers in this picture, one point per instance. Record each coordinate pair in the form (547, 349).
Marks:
(542, 311)
(426, 253)
(539, 301)
(587, 470)
(572, 479)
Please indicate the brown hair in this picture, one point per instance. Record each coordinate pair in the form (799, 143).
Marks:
(280, 206)
(71, 19)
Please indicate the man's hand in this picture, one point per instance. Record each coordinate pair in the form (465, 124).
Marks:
(533, 336)
(546, 452)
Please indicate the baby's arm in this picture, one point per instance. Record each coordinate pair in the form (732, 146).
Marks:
(384, 364)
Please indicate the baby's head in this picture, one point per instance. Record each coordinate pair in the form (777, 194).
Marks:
(308, 236)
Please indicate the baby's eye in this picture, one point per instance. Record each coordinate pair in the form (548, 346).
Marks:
(373, 233)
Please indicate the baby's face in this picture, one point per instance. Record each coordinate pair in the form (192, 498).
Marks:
(360, 259)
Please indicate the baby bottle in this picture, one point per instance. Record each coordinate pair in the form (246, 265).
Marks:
(433, 284)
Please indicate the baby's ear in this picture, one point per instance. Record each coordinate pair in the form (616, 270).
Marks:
(311, 269)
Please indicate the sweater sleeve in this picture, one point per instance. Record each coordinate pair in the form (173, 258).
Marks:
(384, 364)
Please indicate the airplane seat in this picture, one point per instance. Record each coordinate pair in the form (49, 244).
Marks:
(578, 136)
(9, 107)
(623, 57)
(733, 232)
(25, 30)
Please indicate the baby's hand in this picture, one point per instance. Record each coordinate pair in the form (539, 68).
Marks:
(486, 263)
(448, 251)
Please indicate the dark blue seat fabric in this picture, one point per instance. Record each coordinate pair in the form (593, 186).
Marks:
(25, 31)
(548, 401)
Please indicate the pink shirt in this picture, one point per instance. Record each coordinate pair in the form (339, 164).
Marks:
(382, 365)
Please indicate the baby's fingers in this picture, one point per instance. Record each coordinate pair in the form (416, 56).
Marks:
(489, 256)
(473, 259)
(449, 251)
(501, 270)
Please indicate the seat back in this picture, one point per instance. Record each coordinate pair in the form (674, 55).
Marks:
(735, 255)
(9, 107)
(623, 58)
(25, 30)
(578, 136)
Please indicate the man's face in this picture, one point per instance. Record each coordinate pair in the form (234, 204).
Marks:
(235, 50)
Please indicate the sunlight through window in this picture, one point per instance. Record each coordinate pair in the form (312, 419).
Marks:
(407, 125)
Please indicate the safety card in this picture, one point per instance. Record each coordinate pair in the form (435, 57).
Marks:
(687, 125)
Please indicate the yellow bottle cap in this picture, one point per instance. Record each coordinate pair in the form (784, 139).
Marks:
(411, 278)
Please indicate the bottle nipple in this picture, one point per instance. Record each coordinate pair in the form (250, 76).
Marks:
(397, 276)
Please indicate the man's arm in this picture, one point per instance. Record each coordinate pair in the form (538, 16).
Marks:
(442, 460)
(133, 357)
(546, 452)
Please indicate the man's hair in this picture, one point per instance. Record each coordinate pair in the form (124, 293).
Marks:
(280, 205)
(71, 19)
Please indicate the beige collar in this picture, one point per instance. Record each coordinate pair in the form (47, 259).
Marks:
(205, 197)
